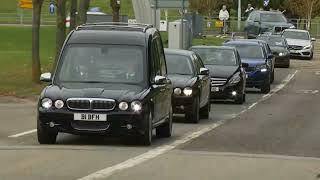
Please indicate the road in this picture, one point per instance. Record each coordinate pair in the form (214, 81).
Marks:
(273, 136)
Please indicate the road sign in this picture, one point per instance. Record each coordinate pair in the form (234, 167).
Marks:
(169, 4)
(52, 8)
(25, 4)
(266, 3)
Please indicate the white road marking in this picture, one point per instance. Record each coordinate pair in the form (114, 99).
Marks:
(107, 172)
(23, 133)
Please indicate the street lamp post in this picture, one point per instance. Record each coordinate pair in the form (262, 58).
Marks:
(239, 15)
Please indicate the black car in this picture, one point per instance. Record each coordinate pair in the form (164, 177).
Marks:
(263, 21)
(280, 49)
(228, 78)
(191, 95)
(110, 80)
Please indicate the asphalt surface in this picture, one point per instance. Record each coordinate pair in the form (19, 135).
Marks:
(274, 136)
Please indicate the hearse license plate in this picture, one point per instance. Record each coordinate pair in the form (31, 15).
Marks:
(215, 89)
(89, 117)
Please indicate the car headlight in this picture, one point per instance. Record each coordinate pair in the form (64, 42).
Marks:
(187, 91)
(307, 47)
(292, 27)
(136, 106)
(235, 78)
(46, 103)
(262, 68)
(177, 91)
(281, 54)
(59, 104)
(123, 106)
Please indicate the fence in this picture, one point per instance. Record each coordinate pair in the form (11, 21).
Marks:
(208, 24)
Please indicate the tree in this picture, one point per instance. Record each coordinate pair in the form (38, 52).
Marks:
(73, 11)
(115, 5)
(304, 9)
(61, 26)
(82, 11)
(36, 16)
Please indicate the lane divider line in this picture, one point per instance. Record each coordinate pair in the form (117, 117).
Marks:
(107, 172)
(23, 133)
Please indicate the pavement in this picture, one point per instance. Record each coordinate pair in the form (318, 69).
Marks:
(273, 136)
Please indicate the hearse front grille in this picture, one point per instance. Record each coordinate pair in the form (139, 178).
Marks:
(95, 104)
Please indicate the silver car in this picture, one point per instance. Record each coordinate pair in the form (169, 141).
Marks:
(300, 43)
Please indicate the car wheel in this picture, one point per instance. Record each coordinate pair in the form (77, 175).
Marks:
(311, 57)
(239, 99)
(165, 130)
(45, 137)
(193, 116)
(287, 65)
(146, 138)
(205, 111)
(266, 86)
(272, 77)
(244, 97)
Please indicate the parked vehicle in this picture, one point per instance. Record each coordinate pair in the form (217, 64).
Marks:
(228, 78)
(110, 80)
(300, 43)
(259, 68)
(262, 21)
(279, 47)
(191, 94)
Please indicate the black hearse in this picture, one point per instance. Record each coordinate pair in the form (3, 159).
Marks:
(111, 79)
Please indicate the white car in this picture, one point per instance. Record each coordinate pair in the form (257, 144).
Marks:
(300, 43)
(88, 13)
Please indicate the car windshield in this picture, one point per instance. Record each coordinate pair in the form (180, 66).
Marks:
(250, 51)
(215, 56)
(276, 42)
(273, 18)
(102, 64)
(296, 35)
(178, 64)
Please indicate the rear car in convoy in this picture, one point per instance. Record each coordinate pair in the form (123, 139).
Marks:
(262, 21)
(300, 43)
(279, 47)
(228, 78)
(110, 80)
(190, 79)
(259, 68)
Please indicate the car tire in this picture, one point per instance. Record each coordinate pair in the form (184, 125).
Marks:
(287, 65)
(266, 87)
(205, 111)
(165, 129)
(45, 137)
(146, 138)
(240, 99)
(272, 77)
(194, 115)
(244, 97)
(311, 57)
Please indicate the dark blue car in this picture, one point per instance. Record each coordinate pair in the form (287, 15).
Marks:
(260, 67)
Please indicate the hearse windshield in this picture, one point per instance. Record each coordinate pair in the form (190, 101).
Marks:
(92, 63)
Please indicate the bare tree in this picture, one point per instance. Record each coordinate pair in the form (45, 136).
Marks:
(82, 11)
(73, 13)
(36, 17)
(115, 5)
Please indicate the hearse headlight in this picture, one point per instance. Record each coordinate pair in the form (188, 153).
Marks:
(136, 106)
(235, 78)
(177, 91)
(123, 106)
(58, 104)
(46, 103)
(187, 91)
